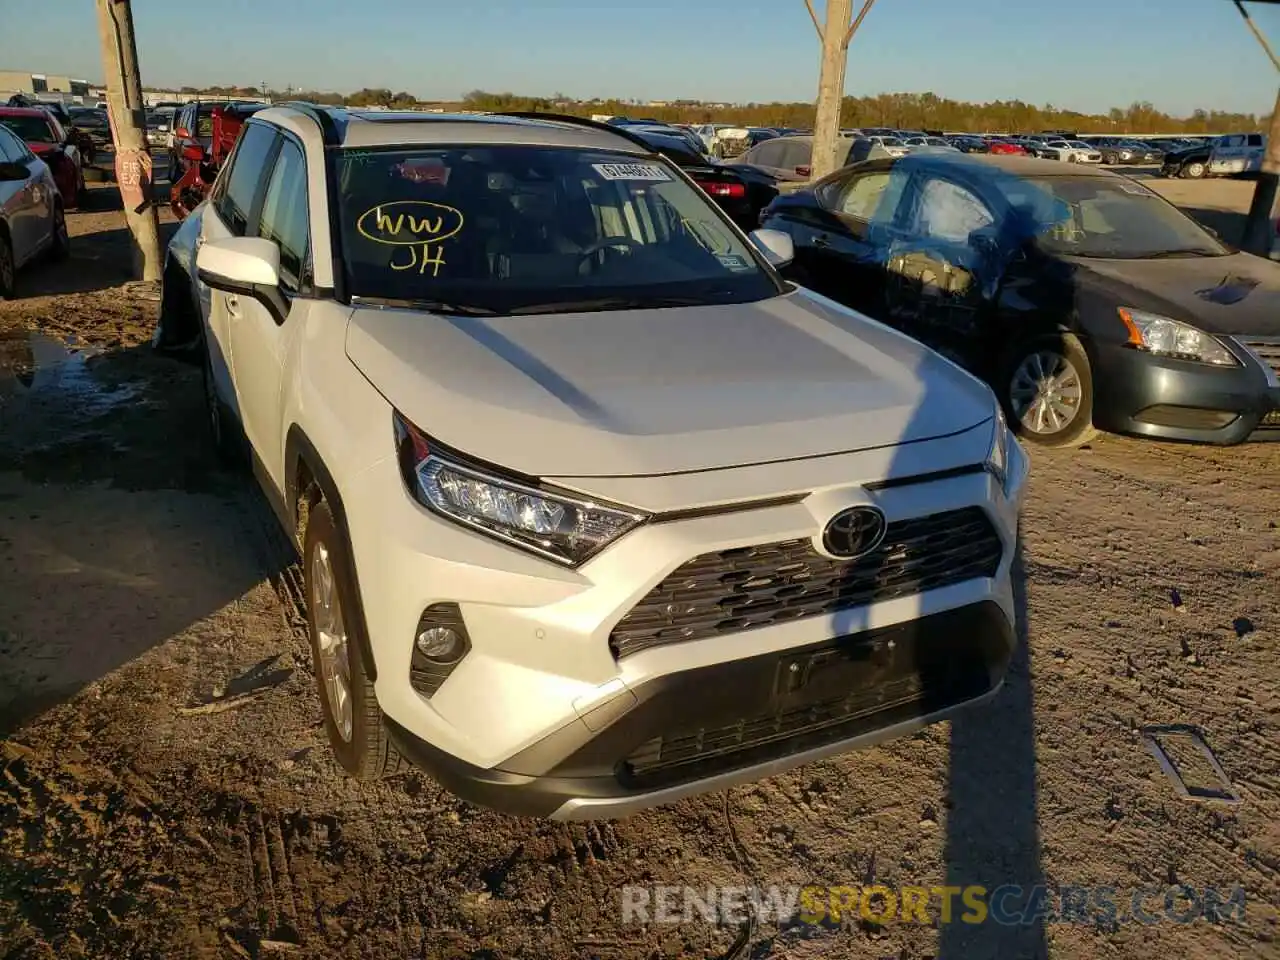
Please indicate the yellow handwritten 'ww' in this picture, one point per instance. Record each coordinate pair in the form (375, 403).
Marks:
(409, 223)
(425, 225)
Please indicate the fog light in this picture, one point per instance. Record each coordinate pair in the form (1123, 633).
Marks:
(441, 644)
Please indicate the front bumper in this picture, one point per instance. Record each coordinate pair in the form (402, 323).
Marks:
(716, 726)
(541, 704)
(1144, 395)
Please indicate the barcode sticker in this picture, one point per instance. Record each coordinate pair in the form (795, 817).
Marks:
(648, 172)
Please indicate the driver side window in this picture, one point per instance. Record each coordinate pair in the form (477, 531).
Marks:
(285, 219)
(947, 211)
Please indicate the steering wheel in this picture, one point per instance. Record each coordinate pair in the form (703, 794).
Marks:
(608, 242)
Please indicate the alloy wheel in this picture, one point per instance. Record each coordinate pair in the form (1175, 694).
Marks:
(331, 641)
(1046, 393)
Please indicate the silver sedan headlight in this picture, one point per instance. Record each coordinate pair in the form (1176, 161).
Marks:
(1002, 440)
(1173, 338)
(550, 523)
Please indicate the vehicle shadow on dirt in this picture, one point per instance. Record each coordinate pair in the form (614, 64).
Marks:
(102, 248)
(993, 833)
(118, 531)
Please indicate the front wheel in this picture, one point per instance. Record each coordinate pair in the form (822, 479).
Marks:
(1194, 170)
(60, 247)
(352, 717)
(1047, 391)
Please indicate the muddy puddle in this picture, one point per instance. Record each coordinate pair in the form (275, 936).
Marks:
(53, 387)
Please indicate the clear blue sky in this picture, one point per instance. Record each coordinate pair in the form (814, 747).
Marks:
(1081, 54)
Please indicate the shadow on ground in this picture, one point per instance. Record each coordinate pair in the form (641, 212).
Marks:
(93, 573)
(993, 833)
(102, 248)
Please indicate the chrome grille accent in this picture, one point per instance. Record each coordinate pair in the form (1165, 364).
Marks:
(745, 588)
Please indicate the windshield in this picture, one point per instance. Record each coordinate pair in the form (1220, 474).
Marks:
(30, 129)
(1080, 145)
(890, 142)
(515, 229)
(89, 118)
(1108, 218)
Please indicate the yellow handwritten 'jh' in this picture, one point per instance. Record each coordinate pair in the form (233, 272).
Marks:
(427, 260)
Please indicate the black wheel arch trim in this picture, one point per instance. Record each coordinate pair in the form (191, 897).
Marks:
(299, 450)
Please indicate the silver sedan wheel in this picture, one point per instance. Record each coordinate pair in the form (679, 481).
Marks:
(331, 641)
(1046, 393)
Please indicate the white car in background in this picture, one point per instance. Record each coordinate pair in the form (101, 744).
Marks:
(596, 511)
(930, 144)
(32, 219)
(709, 133)
(893, 146)
(1070, 151)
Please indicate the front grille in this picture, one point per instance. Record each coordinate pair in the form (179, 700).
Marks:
(938, 673)
(750, 587)
(1268, 351)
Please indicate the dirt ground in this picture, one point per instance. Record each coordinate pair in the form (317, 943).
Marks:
(165, 789)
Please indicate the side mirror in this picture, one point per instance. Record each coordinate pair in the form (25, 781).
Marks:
(804, 171)
(778, 247)
(247, 266)
(11, 171)
(182, 132)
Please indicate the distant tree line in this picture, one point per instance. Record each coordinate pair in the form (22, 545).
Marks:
(367, 97)
(912, 111)
(915, 111)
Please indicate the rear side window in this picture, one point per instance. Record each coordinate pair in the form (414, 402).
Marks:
(284, 214)
(9, 151)
(248, 169)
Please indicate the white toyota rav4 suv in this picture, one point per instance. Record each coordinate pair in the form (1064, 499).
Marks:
(596, 511)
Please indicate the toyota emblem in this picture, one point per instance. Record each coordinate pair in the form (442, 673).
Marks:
(855, 532)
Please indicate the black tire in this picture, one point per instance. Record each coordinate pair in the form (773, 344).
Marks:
(60, 248)
(1193, 170)
(82, 192)
(228, 438)
(8, 268)
(367, 754)
(1079, 430)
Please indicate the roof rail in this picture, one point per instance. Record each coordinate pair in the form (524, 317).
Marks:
(320, 114)
(577, 121)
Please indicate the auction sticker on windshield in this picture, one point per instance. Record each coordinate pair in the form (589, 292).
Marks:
(648, 172)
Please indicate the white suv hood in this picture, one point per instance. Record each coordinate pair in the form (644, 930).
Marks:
(647, 392)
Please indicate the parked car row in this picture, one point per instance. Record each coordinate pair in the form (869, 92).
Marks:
(60, 150)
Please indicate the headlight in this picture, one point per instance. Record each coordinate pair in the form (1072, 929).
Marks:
(997, 462)
(1172, 338)
(552, 524)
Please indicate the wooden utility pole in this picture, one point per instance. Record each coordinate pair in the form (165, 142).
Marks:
(127, 114)
(1258, 231)
(835, 36)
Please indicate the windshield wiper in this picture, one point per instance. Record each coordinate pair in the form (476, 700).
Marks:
(611, 303)
(428, 306)
(1174, 254)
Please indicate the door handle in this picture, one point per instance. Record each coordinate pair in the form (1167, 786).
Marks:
(821, 240)
(233, 305)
